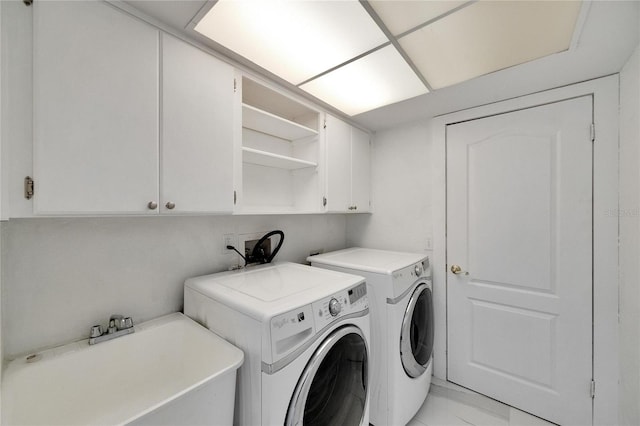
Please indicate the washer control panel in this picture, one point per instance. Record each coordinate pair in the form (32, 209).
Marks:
(339, 305)
(334, 307)
(292, 329)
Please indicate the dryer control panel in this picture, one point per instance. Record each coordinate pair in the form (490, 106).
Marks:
(405, 278)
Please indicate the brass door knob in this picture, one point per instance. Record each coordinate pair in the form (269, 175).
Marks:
(456, 269)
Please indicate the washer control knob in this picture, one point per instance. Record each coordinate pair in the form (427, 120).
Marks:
(334, 307)
(418, 269)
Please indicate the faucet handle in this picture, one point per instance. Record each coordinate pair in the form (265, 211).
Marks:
(128, 322)
(116, 321)
(96, 331)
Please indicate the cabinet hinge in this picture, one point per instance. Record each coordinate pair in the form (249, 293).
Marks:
(235, 85)
(593, 389)
(28, 188)
(235, 197)
(324, 126)
(324, 201)
(593, 132)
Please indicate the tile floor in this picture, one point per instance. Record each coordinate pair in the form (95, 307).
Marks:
(451, 405)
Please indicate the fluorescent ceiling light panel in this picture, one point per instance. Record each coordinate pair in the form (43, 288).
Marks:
(402, 15)
(296, 40)
(488, 36)
(380, 78)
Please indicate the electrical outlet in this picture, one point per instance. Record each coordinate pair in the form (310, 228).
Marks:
(229, 240)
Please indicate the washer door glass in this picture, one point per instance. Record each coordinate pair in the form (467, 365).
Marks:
(332, 390)
(416, 338)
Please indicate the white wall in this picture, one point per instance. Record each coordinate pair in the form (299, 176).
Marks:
(60, 276)
(401, 184)
(629, 212)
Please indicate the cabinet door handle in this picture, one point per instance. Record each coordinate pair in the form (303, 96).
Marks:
(170, 205)
(152, 205)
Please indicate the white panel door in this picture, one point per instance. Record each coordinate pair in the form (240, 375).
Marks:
(95, 109)
(360, 170)
(197, 130)
(338, 161)
(519, 225)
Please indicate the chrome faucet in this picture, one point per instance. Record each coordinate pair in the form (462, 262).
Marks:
(118, 326)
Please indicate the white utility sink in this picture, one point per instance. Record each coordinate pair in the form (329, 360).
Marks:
(171, 371)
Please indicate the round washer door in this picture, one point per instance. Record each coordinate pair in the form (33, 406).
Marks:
(333, 387)
(416, 337)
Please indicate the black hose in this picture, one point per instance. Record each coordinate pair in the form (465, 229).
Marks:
(256, 248)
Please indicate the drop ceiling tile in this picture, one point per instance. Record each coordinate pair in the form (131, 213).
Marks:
(402, 15)
(380, 78)
(488, 36)
(295, 40)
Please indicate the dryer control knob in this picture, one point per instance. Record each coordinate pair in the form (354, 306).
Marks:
(334, 307)
(418, 269)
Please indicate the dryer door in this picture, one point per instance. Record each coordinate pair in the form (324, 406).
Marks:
(416, 338)
(333, 387)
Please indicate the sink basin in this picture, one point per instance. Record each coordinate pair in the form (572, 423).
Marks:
(170, 371)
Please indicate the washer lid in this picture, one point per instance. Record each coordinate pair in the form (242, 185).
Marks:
(274, 283)
(263, 292)
(369, 260)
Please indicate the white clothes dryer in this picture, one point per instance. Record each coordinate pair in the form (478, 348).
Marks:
(305, 335)
(400, 297)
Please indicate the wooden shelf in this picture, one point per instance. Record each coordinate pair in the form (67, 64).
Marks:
(265, 122)
(268, 159)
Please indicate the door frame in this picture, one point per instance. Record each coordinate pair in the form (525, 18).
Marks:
(605, 96)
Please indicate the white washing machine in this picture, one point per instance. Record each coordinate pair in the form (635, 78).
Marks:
(400, 297)
(305, 335)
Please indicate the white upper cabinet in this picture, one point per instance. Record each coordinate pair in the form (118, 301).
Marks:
(131, 120)
(95, 110)
(197, 130)
(280, 149)
(348, 168)
(338, 165)
(360, 170)
(110, 137)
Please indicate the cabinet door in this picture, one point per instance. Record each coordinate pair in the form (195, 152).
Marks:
(360, 170)
(338, 161)
(197, 130)
(95, 110)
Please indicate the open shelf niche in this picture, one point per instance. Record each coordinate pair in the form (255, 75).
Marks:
(280, 152)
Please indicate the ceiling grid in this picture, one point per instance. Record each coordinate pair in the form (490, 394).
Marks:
(358, 55)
